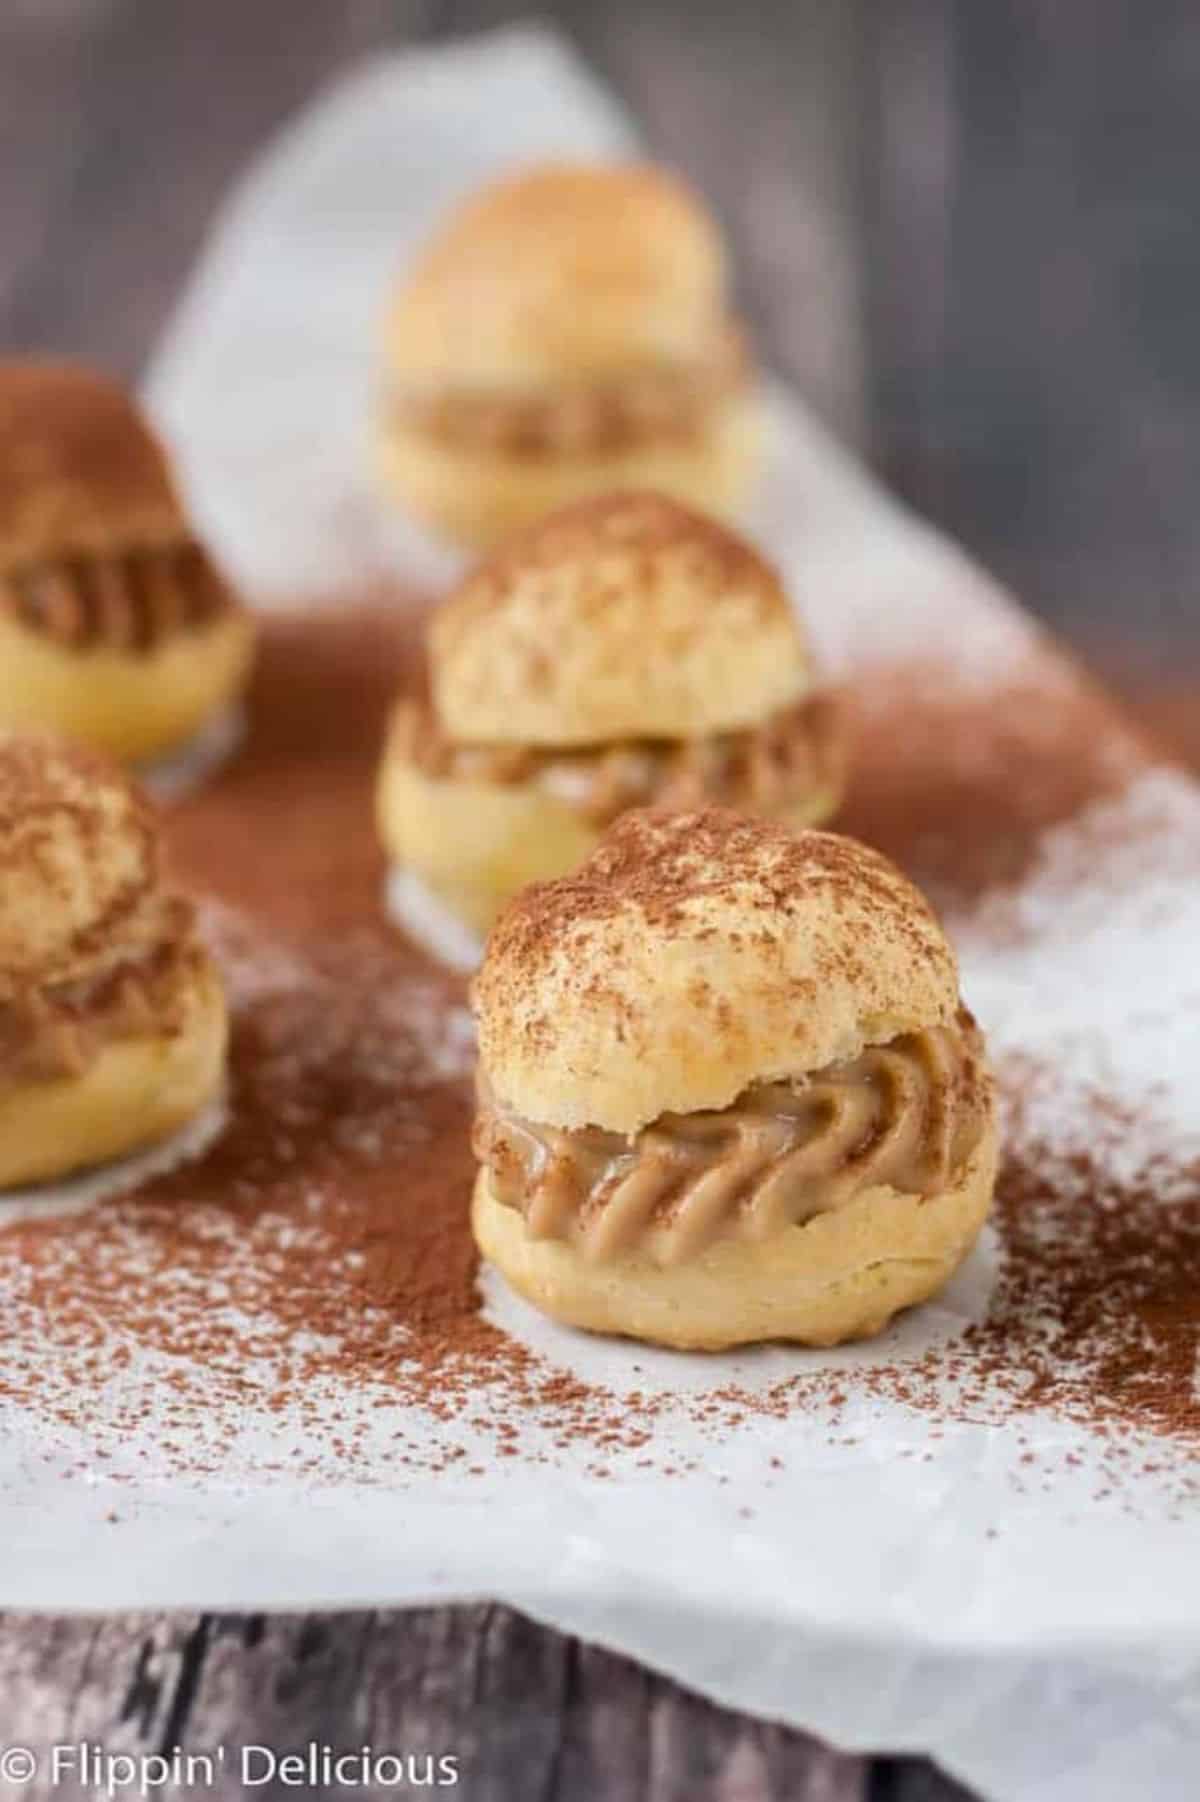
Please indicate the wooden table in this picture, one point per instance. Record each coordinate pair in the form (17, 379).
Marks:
(886, 250)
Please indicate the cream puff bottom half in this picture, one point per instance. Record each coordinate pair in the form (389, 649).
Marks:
(135, 1093)
(474, 845)
(132, 705)
(839, 1276)
(477, 497)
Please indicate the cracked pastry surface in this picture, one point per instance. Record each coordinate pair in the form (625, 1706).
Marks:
(112, 1018)
(116, 628)
(567, 331)
(623, 653)
(728, 1089)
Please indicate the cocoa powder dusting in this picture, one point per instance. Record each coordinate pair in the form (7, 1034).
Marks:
(315, 1267)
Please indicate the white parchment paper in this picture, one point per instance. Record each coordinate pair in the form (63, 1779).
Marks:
(884, 1588)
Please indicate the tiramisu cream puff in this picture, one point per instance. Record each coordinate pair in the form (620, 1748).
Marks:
(115, 627)
(728, 1091)
(567, 331)
(622, 653)
(112, 1018)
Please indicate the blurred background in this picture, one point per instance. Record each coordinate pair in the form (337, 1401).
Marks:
(966, 230)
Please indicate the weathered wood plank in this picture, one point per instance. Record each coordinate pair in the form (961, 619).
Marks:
(912, 1780)
(124, 124)
(1035, 280)
(525, 1712)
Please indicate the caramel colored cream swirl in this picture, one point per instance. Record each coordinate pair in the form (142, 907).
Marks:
(53, 1030)
(796, 752)
(131, 601)
(906, 1114)
(658, 401)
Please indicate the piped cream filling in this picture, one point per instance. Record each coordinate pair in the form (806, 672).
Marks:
(658, 401)
(130, 601)
(797, 752)
(907, 1114)
(56, 1029)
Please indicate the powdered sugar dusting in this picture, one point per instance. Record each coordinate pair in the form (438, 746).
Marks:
(410, 1016)
(1090, 969)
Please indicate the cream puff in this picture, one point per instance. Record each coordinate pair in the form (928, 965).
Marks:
(115, 627)
(112, 1017)
(728, 1091)
(624, 652)
(567, 331)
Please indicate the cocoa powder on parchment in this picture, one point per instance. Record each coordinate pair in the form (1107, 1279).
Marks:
(321, 1248)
